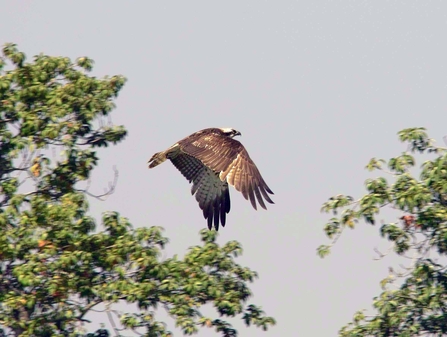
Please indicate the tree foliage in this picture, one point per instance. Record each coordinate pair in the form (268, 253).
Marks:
(414, 301)
(55, 267)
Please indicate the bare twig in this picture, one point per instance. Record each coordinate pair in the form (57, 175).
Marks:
(88, 308)
(110, 317)
(111, 190)
(381, 255)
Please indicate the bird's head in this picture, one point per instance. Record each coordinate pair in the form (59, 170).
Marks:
(230, 132)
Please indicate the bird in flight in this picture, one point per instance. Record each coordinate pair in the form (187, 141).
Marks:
(211, 159)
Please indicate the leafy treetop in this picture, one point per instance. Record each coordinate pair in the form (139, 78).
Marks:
(417, 304)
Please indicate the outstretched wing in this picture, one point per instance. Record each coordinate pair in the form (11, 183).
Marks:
(230, 160)
(211, 193)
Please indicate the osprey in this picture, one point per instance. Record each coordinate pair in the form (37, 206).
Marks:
(211, 159)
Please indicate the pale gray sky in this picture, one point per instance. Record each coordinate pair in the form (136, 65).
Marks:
(317, 88)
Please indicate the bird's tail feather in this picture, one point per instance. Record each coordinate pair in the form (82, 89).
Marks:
(157, 159)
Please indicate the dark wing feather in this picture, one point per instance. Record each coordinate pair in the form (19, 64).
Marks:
(210, 192)
(229, 158)
(188, 166)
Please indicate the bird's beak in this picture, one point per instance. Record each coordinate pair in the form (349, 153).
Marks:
(238, 133)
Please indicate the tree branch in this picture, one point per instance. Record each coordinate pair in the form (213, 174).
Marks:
(111, 190)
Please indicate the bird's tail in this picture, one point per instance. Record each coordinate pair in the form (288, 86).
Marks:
(157, 159)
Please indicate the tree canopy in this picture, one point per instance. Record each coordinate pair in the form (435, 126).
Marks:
(414, 300)
(56, 266)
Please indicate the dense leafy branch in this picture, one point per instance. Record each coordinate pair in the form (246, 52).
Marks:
(417, 304)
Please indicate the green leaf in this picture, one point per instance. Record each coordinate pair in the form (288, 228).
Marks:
(323, 251)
